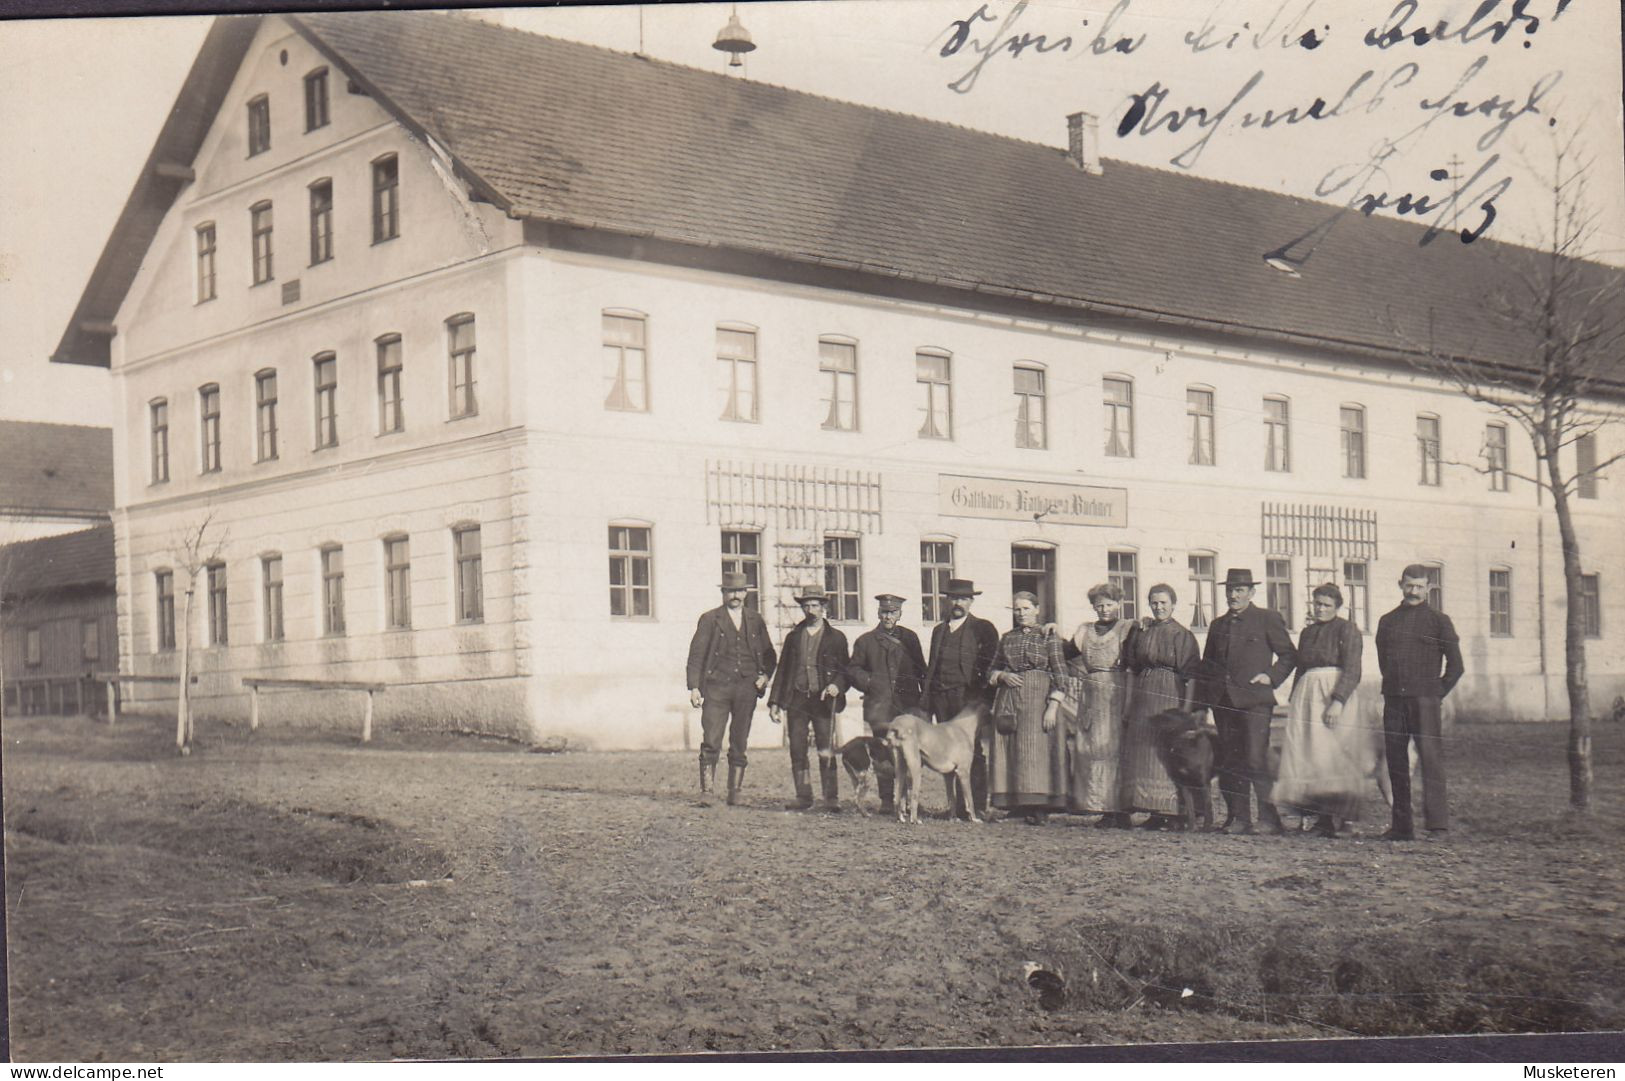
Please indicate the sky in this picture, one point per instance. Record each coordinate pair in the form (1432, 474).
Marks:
(82, 101)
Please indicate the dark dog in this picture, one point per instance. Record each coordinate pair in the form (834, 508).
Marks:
(1187, 748)
(866, 758)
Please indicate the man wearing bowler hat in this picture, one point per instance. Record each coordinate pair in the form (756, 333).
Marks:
(889, 668)
(809, 690)
(962, 650)
(1249, 653)
(730, 659)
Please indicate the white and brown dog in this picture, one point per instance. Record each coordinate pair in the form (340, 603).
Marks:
(948, 748)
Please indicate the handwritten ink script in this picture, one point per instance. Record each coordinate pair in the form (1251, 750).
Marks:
(1408, 89)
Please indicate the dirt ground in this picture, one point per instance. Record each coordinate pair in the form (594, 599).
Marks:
(294, 896)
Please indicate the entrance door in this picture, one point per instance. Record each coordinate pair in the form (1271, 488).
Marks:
(1033, 570)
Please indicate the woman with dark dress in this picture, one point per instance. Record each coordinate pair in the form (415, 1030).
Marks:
(1162, 654)
(1325, 756)
(1026, 763)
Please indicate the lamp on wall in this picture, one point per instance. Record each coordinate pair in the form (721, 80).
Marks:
(734, 40)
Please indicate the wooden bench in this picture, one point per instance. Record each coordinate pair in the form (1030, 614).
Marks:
(255, 684)
(113, 679)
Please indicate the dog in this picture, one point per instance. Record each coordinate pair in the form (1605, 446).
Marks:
(948, 748)
(1187, 749)
(866, 758)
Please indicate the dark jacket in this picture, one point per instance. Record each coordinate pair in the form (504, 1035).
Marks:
(942, 672)
(1240, 645)
(1412, 642)
(832, 662)
(706, 649)
(890, 671)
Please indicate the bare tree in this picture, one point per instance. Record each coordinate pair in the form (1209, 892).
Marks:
(194, 546)
(1568, 314)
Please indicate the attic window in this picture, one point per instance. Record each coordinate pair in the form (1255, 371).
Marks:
(259, 125)
(316, 100)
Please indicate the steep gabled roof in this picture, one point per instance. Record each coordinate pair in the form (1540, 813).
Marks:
(560, 132)
(60, 562)
(55, 470)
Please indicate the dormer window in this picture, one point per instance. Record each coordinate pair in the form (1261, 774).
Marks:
(259, 125)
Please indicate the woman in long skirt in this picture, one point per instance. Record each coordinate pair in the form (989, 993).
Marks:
(1096, 729)
(1162, 656)
(1026, 763)
(1325, 757)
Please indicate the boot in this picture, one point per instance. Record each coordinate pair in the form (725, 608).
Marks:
(708, 780)
(803, 800)
(736, 781)
(831, 782)
(1269, 820)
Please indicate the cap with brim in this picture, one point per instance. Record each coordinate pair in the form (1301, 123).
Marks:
(889, 602)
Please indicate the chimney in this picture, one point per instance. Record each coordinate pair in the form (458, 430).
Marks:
(1083, 142)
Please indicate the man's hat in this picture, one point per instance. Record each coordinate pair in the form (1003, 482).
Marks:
(1238, 576)
(812, 593)
(961, 587)
(734, 580)
(889, 602)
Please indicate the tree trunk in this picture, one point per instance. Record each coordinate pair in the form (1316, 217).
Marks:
(183, 700)
(1574, 649)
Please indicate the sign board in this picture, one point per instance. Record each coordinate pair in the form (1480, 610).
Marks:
(1021, 500)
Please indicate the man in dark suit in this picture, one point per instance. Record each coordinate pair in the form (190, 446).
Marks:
(962, 650)
(809, 690)
(889, 668)
(730, 659)
(1412, 641)
(1248, 654)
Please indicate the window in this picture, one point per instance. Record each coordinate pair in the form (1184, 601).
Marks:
(460, 358)
(1591, 605)
(1277, 436)
(33, 651)
(465, 546)
(259, 125)
(1436, 586)
(631, 571)
(736, 373)
(333, 590)
(321, 221)
(1427, 448)
(1205, 587)
(1357, 584)
(90, 640)
(205, 262)
(742, 554)
(327, 389)
(265, 413)
(626, 362)
(1032, 570)
(391, 417)
(216, 582)
(208, 407)
(1585, 466)
(397, 583)
(1501, 603)
(1031, 412)
(316, 99)
(271, 596)
(838, 371)
(1278, 588)
(1122, 571)
(936, 567)
(1119, 399)
(386, 209)
(259, 216)
(842, 578)
(160, 440)
(1495, 455)
(165, 583)
(1353, 436)
(932, 373)
(1199, 410)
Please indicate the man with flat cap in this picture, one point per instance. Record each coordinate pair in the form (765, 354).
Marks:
(1412, 642)
(730, 659)
(808, 691)
(889, 668)
(962, 650)
(1249, 653)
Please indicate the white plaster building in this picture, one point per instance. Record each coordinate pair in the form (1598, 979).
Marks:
(486, 351)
